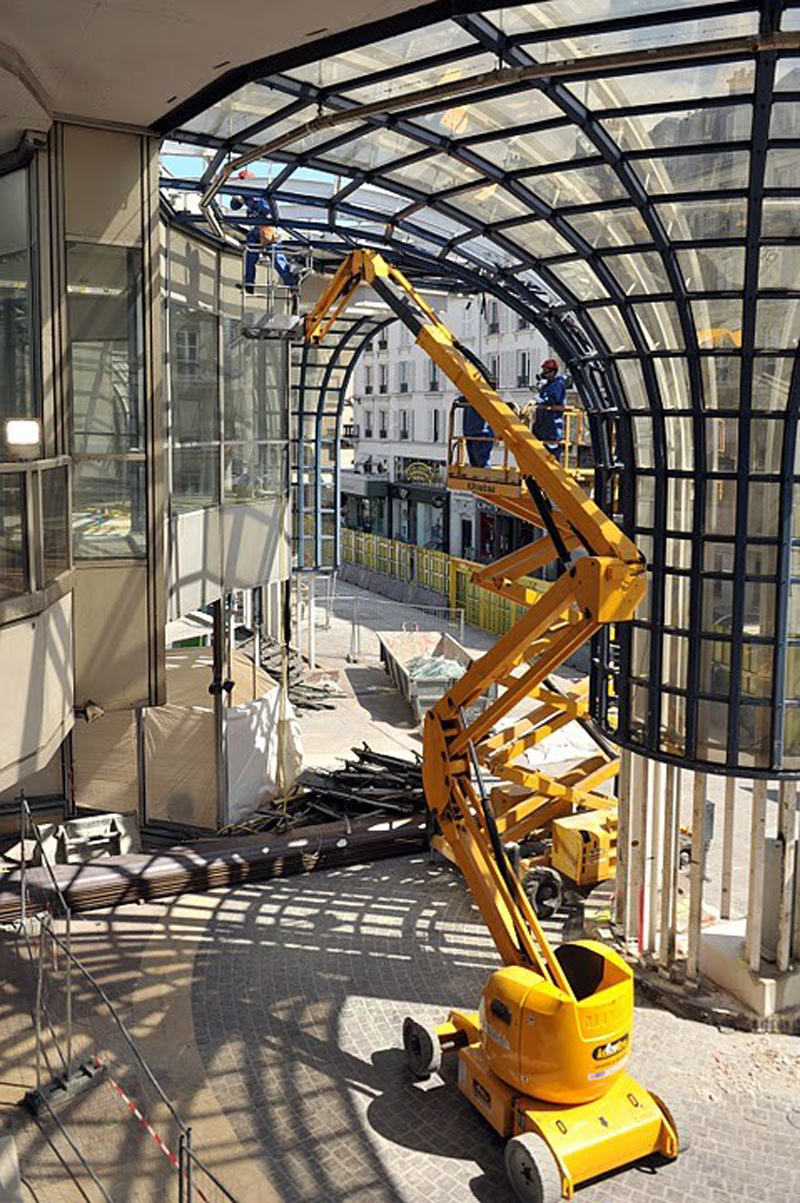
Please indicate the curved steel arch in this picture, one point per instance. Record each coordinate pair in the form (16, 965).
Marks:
(670, 400)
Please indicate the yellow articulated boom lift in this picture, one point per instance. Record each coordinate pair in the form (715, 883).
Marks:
(543, 1059)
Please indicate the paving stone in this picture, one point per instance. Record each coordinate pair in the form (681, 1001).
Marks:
(299, 1028)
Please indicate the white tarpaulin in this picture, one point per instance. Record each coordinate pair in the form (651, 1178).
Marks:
(265, 752)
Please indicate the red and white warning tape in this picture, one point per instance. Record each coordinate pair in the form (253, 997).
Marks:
(148, 1127)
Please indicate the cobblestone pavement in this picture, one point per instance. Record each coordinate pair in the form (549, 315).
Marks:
(299, 992)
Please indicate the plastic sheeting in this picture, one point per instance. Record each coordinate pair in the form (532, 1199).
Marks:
(261, 764)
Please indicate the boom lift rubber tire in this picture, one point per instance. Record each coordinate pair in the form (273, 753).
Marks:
(542, 884)
(532, 1169)
(422, 1048)
(677, 1117)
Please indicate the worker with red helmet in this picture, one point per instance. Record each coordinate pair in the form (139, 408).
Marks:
(549, 421)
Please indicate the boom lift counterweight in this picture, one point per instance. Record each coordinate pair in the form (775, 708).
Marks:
(543, 1059)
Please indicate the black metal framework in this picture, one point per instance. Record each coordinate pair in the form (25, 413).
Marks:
(642, 212)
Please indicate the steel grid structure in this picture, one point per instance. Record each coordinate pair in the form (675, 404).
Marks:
(625, 174)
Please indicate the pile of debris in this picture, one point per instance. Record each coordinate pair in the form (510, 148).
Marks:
(374, 785)
(303, 693)
(430, 667)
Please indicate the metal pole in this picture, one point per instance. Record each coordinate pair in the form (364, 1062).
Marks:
(189, 1165)
(217, 690)
(787, 834)
(141, 764)
(755, 896)
(181, 1169)
(68, 937)
(23, 835)
(623, 845)
(666, 950)
(256, 607)
(696, 875)
(726, 899)
(461, 627)
(38, 1005)
(312, 634)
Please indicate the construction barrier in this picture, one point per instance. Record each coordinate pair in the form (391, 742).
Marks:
(439, 572)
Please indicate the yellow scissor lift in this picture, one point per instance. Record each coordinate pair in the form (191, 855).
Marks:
(543, 1059)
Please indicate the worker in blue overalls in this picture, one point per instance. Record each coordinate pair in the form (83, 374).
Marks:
(260, 236)
(549, 420)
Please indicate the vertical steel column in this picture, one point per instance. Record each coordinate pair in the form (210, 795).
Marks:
(23, 833)
(258, 618)
(141, 765)
(755, 895)
(729, 818)
(217, 689)
(623, 845)
(652, 881)
(669, 866)
(312, 634)
(68, 942)
(787, 834)
(637, 843)
(696, 875)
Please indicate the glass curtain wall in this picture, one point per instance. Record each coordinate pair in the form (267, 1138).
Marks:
(18, 398)
(227, 423)
(104, 315)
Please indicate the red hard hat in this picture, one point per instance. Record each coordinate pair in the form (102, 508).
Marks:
(246, 174)
(550, 365)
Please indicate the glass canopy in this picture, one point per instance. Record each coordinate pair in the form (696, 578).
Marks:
(625, 173)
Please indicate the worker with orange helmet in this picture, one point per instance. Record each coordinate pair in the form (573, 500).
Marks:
(549, 421)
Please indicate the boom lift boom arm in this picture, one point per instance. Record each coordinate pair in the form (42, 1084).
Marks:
(603, 586)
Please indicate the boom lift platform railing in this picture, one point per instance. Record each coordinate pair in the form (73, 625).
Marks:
(543, 1060)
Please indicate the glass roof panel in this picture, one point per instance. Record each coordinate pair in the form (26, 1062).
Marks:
(304, 143)
(695, 173)
(489, 203)
(528, 18)
(780, 218)
(539, 239)
(695, 221)
(578, 186)
(787, 75)
(437, 173)
(718, 269)
(469, 120)
(643, 37)
(689, 127)
(615, 227)
(244, 107)
(658, 87)
(783, 168)
(374, 148)
(425, 77)
(718, 322)
(612, 328)
(779, 267)
(483, 250)
(367, 196)
(785, 120)
(581, 280)
(401, 51)
(639, 273)
(521, 152)
(661, 325)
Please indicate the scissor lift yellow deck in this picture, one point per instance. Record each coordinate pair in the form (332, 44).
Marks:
(543, 1059)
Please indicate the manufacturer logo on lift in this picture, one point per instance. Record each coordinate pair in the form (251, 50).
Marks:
(604, 1052)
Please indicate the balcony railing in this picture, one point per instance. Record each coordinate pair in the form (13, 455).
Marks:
(35, 535)
(383, 434)
(403, 386)
(405, 434)
(383, 388)
(350, 430)
(368, 389)
(367, 432)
